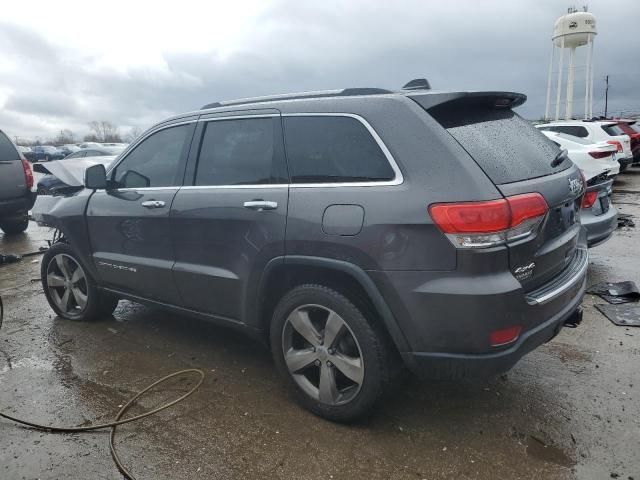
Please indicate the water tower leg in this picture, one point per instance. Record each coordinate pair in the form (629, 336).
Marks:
(559, 88)
(591, 79)
(548, 105)
(587, 80)
(568, 111)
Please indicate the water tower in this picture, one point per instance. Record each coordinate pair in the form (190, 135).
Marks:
(571, 31)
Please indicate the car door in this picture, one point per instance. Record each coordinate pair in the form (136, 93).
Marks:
(230, 222)
(129, 221)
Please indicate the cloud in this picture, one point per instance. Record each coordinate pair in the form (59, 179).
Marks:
(134, 71)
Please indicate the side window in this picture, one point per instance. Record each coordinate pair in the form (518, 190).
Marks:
(326, 149)
(581, 132)
(155, 161)
(241, 152)
(573, 130)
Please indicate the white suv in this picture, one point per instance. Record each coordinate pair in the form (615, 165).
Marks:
(596, 131)
(592, 158)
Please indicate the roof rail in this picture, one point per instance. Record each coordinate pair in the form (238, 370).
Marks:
(347, 92)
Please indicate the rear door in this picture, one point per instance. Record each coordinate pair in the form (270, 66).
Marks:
(13, 183)
(129, 222)
(518, 159)
(231, 221)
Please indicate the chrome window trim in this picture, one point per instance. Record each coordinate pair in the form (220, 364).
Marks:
(226, 187)
(397, 180)
(398, 177)
(240, 117)
(133, 146)
(143, 189)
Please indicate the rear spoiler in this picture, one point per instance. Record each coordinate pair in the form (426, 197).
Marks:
(497, 100)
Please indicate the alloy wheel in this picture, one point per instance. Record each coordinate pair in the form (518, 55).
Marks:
(322, 354)
(67, 285)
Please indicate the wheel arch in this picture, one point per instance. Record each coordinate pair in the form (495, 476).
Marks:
(283, 273)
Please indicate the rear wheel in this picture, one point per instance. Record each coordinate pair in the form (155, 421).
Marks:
(70, 290)
(335, 361)
(15, 225)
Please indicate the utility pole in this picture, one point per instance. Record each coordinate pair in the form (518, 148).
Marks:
(606, 95)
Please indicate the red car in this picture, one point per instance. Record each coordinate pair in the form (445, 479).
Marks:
(631, 128)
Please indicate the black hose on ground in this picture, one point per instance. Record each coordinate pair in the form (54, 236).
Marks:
(118, 420)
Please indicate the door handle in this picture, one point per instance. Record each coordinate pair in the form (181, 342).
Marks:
(153, 204)
(260, 205)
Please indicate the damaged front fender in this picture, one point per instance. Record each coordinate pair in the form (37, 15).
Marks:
(68, 215)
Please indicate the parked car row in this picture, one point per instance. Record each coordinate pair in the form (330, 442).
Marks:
(46, 153)
(601, 148)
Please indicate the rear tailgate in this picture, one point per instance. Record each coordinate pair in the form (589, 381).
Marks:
(13, 183)
(518, 159)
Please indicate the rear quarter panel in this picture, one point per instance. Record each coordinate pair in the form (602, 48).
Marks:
(397, 232)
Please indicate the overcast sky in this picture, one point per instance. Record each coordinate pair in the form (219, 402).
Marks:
(65, 63)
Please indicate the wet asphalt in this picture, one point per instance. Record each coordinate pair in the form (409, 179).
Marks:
(570, 409)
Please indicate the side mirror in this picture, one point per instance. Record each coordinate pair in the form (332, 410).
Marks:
(95, 177)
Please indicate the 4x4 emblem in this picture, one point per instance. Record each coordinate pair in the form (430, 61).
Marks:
(575, 186)
(525, 271)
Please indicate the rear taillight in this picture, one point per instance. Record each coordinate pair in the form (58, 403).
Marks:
(28, 173)
(600, 154)
(589, 199)
(617, 144)
(489, 223)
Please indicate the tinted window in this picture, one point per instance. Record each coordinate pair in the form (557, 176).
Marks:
(576, 131)
(613, 130)
(7, 150)
(77, 155)
(94, 153)
(240, 152)
(507, 147)
(155, 161)
(333, 149)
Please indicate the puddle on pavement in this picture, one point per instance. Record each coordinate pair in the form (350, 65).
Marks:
(536, 448)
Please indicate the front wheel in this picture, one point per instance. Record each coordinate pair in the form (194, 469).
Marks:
(69, 288)
(336, 362)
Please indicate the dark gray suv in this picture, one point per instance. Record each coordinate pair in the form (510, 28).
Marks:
(16, 182)
(353, 229)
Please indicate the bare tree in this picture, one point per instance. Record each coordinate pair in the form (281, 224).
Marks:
(134, 132)
(105, 131)
(91, 137)
(64, 137)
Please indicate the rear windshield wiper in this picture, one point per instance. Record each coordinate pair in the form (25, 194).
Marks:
(559, 158)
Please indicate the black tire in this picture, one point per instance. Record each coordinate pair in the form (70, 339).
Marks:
(98, 304)
(378, 359)
(15, 225)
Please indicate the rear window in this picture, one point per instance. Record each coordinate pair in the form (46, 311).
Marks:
(613, 130)
(507, 147)
(326, 149)
(7, 150)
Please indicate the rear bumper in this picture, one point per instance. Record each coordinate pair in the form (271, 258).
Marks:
(448, 319)
(625, 162)
(456, 365)
(15, 206)
(599, 227)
